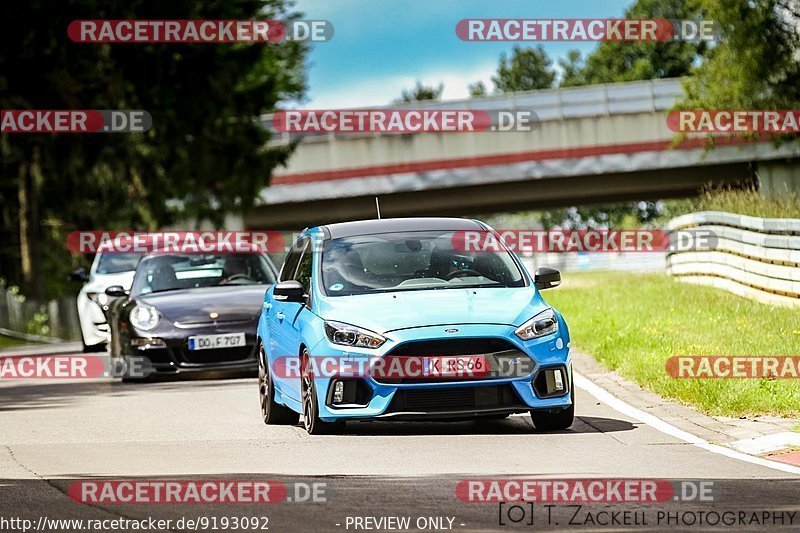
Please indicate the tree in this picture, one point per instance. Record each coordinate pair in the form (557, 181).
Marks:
(572, 69)
(615, 61)
(477, 89)
(755, 65)
(421, 93)
(528, 69)
(205, 154)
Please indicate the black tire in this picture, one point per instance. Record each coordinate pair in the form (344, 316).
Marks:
(311, 420)
(554, 420)
(272, 413)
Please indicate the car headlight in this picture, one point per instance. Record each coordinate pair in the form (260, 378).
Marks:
(545, 323)
(347, 335)
(144, 317)
(100, 298)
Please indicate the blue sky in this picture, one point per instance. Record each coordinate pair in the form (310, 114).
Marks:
(383, 46)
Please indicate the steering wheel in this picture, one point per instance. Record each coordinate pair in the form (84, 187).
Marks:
(462, 272)
(238, 276)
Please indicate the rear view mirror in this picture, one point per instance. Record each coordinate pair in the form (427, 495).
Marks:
(289, 291)
(79, 274)
(546, 278)
(116, 291)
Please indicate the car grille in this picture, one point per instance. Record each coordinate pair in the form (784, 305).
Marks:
(455, 399)
(456, 346)
(499, 354)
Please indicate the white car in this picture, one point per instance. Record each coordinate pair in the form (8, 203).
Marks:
(107, 269)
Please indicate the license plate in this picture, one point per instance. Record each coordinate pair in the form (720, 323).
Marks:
(457, 366)
(212, 342)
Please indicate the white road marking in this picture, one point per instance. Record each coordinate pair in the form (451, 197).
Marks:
(768, 443)
(664, 427)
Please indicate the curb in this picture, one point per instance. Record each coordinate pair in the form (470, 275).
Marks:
(765, 437)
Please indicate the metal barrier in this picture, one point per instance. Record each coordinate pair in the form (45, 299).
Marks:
(25, 319)
(757, 258)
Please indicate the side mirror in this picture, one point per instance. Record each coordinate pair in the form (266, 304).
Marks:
(79, 274)
(290, 291)
(546, 278)
(116, 291)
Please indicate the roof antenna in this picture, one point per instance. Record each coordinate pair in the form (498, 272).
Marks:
(378, 207)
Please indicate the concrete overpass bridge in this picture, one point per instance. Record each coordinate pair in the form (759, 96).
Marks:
(593, 144)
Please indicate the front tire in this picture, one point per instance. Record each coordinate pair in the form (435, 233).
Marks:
(555, 421)
(272, 413)
(311, 420)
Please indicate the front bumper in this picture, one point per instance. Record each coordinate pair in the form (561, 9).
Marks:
(174, 357)
(450, 399)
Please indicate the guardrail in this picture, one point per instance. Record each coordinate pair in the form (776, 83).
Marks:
(58, 319)
(757, 258)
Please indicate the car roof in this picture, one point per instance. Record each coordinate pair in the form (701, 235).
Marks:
(391, 225)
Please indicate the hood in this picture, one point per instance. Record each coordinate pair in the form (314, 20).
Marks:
(194, 305)
(385, 312)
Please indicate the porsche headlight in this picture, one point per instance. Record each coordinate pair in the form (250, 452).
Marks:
(545, 323)
(144, 317)
(347, 335)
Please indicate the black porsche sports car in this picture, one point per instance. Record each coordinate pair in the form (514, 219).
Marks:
(190, 313)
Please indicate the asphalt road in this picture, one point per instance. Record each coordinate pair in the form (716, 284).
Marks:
(54, 432)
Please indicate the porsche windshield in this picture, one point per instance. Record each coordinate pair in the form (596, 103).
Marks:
(159, 273)
(411, 261)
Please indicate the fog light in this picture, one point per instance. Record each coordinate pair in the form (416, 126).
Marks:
(554, 380)
(551, 382)
(338, 392)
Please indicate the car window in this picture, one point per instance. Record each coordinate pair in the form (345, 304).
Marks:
(114, 263)
(411, 261)
(304, 271)
(292, 260)
(167, 272)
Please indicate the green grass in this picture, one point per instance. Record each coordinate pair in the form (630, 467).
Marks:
(633, 323)
(10, 342)
(743, 202)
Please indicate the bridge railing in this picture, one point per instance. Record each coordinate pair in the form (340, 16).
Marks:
(757, 258)
(549, 105)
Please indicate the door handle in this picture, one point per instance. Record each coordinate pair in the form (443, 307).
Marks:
(280, 315)
(267, 306)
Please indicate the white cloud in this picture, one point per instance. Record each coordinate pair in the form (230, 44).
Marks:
(383, 90)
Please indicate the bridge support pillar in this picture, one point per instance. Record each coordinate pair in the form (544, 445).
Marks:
(779, 176)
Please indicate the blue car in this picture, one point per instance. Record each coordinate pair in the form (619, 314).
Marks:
(399, 319)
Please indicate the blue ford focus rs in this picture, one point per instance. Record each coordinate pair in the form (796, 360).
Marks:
(399, 319)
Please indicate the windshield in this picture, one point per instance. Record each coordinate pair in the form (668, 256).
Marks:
(114, 263)
(159, 273)
(411, 261)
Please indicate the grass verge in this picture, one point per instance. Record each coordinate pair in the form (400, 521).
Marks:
(10, 342)
(633, 323)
